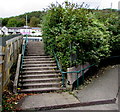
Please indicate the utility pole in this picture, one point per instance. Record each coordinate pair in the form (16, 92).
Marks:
(111, 5)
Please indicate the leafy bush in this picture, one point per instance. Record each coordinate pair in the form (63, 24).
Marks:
(76, 34)
(112, 22)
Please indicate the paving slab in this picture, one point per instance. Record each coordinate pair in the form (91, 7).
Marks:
(103, 88)
(46, 100)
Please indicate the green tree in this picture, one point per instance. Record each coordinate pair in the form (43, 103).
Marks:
(21, 18)
(5, 21)
(12, 22)
(34, 22)
(112, 21)
(20, 22)
(1, 21)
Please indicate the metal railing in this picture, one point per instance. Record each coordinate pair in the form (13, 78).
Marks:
(77, 72)
(23, 52)
(19, 65)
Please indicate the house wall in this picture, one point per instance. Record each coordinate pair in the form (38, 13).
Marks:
(5, 30)
(22, 30)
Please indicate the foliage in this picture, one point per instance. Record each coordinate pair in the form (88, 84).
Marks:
(21, 19)
(5, 21)
(34, 22)
(76, 34)
(112, 21)
(12, 22)
(20, 22)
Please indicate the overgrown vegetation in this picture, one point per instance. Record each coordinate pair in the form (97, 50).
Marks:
(34, 19)
(80, 35)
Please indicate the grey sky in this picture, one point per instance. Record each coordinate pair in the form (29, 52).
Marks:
(16, 7)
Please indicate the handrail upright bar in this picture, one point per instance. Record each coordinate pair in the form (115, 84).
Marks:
(58, 64)
(62, 72)
(23, 52)
(59, 67)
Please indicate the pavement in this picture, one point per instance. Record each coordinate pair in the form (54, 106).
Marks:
(45, 101)
(105, 87)
(101, 94)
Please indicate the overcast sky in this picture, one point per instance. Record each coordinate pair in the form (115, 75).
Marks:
(16, 7)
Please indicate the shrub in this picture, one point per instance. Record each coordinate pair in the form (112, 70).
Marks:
(76, 34)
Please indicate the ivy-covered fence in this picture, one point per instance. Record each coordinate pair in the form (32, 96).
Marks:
(79, 35)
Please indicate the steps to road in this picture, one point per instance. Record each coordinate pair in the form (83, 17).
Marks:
(40, 65)
(39, 62)
(48, 89)
(49, 84)
(39, 68)
(40, 72)
(39, 75)
(47, 101)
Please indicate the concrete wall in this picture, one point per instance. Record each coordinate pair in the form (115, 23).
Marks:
(71, 77)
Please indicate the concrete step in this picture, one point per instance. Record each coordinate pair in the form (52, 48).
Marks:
(40, 72)
(38, 59)
(40, 56)
(38, 62)
(33, 54)
(39, 80)
(39, 65)
(36, 52)
(48, 89)
(39, 75)
(41, 85)
(39, 68)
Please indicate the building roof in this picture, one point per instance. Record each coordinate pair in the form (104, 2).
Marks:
(36, 28)
(18, 28)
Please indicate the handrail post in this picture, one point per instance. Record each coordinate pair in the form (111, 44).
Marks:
(23, 52)
(83, 75)
(77, 81)
(63, 73)
(26, 38)
(21, 62)
(17, 75)
(63, 79)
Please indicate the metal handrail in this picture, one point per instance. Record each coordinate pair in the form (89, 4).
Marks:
(62, 72)
(80, 70)
(58, 64)
(23, 52)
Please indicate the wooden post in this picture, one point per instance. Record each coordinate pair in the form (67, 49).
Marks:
(11, 55)
(17, 75)
(1, 74)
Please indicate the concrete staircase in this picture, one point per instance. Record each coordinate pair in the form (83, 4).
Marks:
(39, 73)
